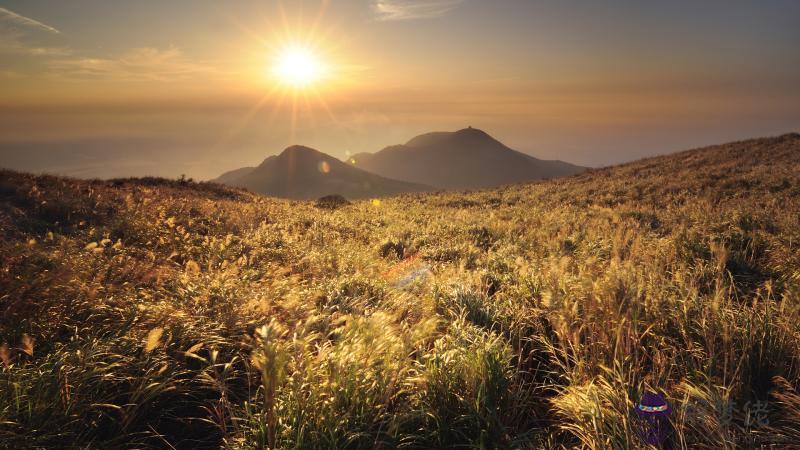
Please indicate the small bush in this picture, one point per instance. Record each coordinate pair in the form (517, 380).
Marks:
(331, 202)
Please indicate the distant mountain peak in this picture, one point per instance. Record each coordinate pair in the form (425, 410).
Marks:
(465, 135)
(470, 131)
(300, 150)
(305, 173)
(475, 135)
(468, 158)
(296, 152)
(297, 155)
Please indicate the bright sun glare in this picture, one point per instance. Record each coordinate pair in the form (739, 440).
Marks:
(297, 66)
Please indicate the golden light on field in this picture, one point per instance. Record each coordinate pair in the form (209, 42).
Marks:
(297, 66)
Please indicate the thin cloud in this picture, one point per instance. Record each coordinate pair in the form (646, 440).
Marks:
(12, 42)
(139, 64)
(387, 10)
(11, 16)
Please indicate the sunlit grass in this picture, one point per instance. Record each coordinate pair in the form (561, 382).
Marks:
(151, 313)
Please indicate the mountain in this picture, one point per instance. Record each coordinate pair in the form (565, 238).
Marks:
(233, 175)
(304, 173)
(464, 159)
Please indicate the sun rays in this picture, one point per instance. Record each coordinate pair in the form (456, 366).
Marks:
(298, 66)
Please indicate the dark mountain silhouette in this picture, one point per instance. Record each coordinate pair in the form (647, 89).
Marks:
(464, 159)
(233, 175)
(304, 173)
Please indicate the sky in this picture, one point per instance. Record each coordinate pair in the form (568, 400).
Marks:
(101, 88)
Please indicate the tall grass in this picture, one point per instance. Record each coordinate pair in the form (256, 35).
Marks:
(149, 313)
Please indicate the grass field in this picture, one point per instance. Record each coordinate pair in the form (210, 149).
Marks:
(154, 313)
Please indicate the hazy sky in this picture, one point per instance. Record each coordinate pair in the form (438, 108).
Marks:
(111, 88)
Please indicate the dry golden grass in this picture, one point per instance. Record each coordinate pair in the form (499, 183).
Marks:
(154, 313)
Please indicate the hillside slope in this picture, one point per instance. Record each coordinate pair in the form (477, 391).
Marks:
(234, 175)
(464, 159)
(304, 173)
(153, 313)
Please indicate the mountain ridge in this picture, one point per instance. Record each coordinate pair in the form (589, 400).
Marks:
(301, 172)
(468, 158)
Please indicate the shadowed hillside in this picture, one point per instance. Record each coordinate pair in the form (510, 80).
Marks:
(464, 159)
(234, 175)
(304, 173)
(154, 313)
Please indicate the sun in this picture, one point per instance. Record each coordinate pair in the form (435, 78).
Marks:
(297, 66)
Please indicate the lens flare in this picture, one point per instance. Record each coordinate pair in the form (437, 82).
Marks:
(297, 66)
